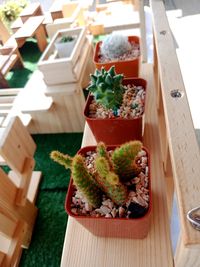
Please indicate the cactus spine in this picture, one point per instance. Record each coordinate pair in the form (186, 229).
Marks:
(85, 182)
(109, 181)
(114, 46)
(124, 160)
(62, 159)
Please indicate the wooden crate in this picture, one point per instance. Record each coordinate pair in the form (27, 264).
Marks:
(63, 70)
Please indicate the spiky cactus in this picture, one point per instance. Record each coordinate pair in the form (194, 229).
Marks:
(109, 181)
(83, 180)
(64, 160)
(109, 175)
(103, 152)
(107, 88)
(114, 46)
(124, 160)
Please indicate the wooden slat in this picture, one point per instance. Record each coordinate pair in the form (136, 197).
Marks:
(2, 257)
(16, 145)
(83, 249)
(10, 91)
(183, 146)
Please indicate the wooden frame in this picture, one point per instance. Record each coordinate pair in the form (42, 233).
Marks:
(64, 70)
(170, 137)
(18, 192)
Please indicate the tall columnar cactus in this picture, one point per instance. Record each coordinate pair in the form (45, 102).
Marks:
(114, 46)
(109, 181)
(83, 180)
(107, 88)
(103, 152)
(109, 174)
(124, 160)
(64, 160)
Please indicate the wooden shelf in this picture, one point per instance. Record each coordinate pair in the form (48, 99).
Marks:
(170, 137)
(81, 248)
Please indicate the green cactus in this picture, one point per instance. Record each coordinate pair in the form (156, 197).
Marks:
(109, 181)
(107, 88)
(124, 160)
(62, 159)
(102, 152)
(109, 175)
(85, 182)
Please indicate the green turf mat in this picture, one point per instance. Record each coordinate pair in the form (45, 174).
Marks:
(46, 245)
(55, 176)
(30, 54)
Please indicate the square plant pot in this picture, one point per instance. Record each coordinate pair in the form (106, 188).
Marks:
(129, 68)
(136, 228)
(117, 130)
(58, 70)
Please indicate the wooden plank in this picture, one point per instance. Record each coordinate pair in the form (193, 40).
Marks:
(7, 226)
(33, 186)
(83, 249)
(10, 91)
(16, 145)
(29, 27)
(183, 146)
(2, 257)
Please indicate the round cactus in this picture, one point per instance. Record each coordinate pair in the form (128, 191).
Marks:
(114, 46)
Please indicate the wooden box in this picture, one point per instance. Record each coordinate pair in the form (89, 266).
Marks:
(64, 70)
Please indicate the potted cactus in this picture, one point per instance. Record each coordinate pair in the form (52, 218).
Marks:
(110, 189)
(64, 45)
(120, 51)
(115, 107)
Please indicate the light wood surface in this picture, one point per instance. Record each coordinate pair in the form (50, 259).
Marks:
(32, 27)
(179, 143)
(17, 209)
(32, 9)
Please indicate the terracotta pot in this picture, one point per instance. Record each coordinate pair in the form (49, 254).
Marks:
(129, 68)
(116, 130)
(112, 227)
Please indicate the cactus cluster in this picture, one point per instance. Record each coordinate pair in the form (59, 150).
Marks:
(107, 88)
(109, 174)
(114, 46)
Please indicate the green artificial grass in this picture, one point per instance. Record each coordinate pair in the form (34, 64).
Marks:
(30, 53)
(54, 175)
(47, 240)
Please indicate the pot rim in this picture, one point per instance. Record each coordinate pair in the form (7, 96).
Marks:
(90, 96)
(68, 195)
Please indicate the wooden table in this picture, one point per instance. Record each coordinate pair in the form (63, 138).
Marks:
(32, 9)
(32, 27)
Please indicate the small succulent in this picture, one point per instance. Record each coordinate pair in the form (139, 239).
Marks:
(107, 88)
(114, 46)
(66, 39)
(107, 176)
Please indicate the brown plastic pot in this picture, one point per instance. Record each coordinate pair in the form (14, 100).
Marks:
(112, 227)
(116, 130)
(129, 68)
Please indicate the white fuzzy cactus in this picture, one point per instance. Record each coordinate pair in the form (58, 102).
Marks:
(114, 46)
